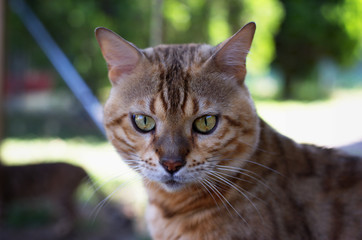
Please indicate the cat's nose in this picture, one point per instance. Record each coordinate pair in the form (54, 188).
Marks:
(172, 165)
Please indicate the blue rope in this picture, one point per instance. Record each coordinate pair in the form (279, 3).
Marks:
(60, 62)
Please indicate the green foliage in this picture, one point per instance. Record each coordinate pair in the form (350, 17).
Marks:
(295, 34)
(347, 14)
(186, 21)
(268, 15)
(219, 28)
(316, 30)
(72, 24)
(214, 21)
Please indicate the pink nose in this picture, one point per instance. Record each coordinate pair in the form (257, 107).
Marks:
(172, 166)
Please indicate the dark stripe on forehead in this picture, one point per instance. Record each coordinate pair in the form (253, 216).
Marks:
(174, 63)
(152, 105)
(173, 77)
(161, 86)
(185, 53)
(195, 106)
(163, 100)
(166, 53)
(174, 84)
(186, 89)
(157, 57)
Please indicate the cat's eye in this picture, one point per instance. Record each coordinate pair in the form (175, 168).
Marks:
(205, 124)
(143, 123)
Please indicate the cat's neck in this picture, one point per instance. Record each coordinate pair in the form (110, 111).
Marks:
(278, 153)
(271, 148)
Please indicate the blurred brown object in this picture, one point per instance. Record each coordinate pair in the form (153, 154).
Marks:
(37, 203)
(47, 187)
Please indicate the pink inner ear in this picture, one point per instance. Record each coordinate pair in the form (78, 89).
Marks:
(121, 56)
(232, 53)
(114, 73)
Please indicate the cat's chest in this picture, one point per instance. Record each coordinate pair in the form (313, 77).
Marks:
(182, 227)
(215, 223)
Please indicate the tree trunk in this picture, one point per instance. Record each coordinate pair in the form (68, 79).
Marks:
(286, 92)
(156, 23)
(234, 11)
(200, 18)
(2, 68)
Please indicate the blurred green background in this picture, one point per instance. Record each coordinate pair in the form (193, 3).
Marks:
(302, 50)
(296, 45)
(304, 71)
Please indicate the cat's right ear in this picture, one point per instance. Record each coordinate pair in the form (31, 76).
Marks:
(230, 55)
(122, 57)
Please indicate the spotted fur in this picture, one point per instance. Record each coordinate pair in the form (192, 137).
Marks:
(244, 180)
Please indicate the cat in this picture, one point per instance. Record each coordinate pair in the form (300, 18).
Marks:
(182, 117)
(37, 186)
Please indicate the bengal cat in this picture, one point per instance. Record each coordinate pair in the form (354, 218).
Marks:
(182, 117)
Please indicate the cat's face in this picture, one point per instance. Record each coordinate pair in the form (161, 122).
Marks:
(177, 113)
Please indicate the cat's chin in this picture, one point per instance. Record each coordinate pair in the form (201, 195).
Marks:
(172, 185)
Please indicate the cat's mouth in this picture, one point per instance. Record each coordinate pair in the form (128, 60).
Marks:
(171, 182)
(173, 185)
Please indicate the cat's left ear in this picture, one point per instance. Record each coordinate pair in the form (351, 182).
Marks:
(122, 57)
(231, 54)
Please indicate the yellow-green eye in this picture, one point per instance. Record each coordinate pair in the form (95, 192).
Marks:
(205, 124)
(144, 123)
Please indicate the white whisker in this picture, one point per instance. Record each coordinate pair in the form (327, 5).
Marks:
(266, 167)
(244, 180)
(218, 194)
(101, 204)
(249, 161)
(238, 189)
(227, 201)
(205, 187)
(242, 171)
(230, 176)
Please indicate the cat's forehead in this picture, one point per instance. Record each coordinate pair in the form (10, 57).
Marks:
(179, 55)
(175, 76)
(178, 71)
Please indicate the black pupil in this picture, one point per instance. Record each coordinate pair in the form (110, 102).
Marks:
(206, 121)
(145, 120)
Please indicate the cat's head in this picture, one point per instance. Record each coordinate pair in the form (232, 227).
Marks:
(176, 113)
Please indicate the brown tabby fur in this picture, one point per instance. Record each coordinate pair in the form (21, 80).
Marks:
(242, 181)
